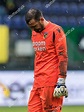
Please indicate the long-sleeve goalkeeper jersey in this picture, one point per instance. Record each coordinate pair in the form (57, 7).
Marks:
(50, 55)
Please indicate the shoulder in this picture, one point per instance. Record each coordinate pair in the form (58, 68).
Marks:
(34, 33)
(56, 26)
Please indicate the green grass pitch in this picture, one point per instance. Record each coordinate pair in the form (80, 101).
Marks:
(24, 109)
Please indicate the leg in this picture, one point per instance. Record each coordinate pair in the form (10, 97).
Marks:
(49, 103)
(34, 104)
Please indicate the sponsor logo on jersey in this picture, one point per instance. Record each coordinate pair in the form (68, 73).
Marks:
(39, 46)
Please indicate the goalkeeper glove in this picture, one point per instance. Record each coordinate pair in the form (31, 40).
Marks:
(60, 89)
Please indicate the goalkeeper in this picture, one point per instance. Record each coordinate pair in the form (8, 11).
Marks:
(49, 43)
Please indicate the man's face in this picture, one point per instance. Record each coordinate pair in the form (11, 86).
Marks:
(37, 26)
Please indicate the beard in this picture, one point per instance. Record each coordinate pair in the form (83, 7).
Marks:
(39, 30)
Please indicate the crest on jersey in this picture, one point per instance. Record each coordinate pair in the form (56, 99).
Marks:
(45, 34)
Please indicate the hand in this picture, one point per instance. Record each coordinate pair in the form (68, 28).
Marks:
(60, 89)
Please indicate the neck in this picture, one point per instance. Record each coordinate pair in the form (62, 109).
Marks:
(45, 23)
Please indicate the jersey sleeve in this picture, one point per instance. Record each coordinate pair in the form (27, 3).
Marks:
(61, 50)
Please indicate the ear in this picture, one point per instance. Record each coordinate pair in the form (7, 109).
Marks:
(41, 19)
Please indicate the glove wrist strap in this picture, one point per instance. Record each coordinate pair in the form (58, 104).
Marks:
(61, 81)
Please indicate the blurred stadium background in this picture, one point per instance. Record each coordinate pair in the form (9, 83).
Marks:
(17, 55)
